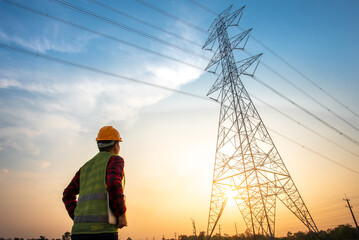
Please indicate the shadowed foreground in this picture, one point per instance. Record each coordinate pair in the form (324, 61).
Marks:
(342, 232)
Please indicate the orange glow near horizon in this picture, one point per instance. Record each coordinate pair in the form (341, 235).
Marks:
(166, 186)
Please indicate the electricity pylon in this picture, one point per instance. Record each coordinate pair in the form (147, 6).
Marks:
(247, 161)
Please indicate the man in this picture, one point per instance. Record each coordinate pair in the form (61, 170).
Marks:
(99, 185)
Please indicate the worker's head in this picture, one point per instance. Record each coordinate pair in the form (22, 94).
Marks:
(108, 139)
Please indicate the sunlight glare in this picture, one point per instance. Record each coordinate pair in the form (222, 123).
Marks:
(231, 195)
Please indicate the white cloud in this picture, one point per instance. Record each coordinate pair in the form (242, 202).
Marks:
(56, 116)
(49, 38)
(57, 110)
(7, 83)
(16, 138)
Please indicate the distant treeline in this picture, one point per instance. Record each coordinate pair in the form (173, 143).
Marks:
(342, 232)
(66, 236)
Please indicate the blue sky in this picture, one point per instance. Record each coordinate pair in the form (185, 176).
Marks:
(50, 113)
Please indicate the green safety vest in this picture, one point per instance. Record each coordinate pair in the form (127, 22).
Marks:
(92, 213)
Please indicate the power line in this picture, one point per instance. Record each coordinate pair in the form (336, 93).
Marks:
(281, 76)
(327, 210)
(327, 124)
(147, 84)
(319, 119)
(204, 7)
(306, 94)
(145, 22)
(130, 44)
(73, 64)
(81, 66)
(306, 127)
(315, 152)
(265, 65)
(170, 15)
(306, 77)
(101, 34)
(288, 64)
(123, 26)
(307, 111)
(325, 204)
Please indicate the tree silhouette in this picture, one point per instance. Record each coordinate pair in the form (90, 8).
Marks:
(66, 236)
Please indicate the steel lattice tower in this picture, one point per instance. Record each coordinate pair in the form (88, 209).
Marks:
(247, 161)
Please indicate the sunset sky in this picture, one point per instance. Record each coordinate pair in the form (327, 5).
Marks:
(50, 112)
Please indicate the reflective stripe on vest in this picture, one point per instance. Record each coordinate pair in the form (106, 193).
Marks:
(91, 219)
(92, 210)
(92, 196)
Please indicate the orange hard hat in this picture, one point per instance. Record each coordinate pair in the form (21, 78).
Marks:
(108, 133)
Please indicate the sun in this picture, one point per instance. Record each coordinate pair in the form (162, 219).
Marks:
(231, 194)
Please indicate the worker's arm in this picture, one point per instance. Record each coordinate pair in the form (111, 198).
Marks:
(122, 221)
(114, 175)
(69, 195)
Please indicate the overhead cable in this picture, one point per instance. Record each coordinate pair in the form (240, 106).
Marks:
(116, 39)
(168, 14)
(145, 22)
(281, 76)
(289, 65)
(306, 77)
(73, 64)
(81, 66)
(305, 93)
(305, 126)
(100, 34)
(315, 152)
(306, 111)
(204, 7)
(128, 28)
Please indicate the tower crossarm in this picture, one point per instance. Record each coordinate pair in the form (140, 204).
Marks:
(236, 40)
(244, 64)
(223, 21)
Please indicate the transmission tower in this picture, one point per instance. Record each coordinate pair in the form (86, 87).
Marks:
(247, 161)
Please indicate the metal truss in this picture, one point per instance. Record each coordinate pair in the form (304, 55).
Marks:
(247, 161)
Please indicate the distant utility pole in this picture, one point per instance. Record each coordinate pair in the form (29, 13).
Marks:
(194, 227)
(219, 229)
(235, 224)
(351, 211)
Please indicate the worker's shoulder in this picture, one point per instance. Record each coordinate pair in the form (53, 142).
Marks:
(116, 158)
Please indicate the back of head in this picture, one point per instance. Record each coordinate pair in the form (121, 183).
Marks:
(105, 145)
(107, 137)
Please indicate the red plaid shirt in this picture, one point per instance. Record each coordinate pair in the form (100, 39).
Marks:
(114, 175)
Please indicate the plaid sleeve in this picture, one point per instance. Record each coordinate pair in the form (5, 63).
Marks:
(69, 194)
(114, 175)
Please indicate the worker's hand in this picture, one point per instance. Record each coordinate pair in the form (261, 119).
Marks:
(122, 221)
